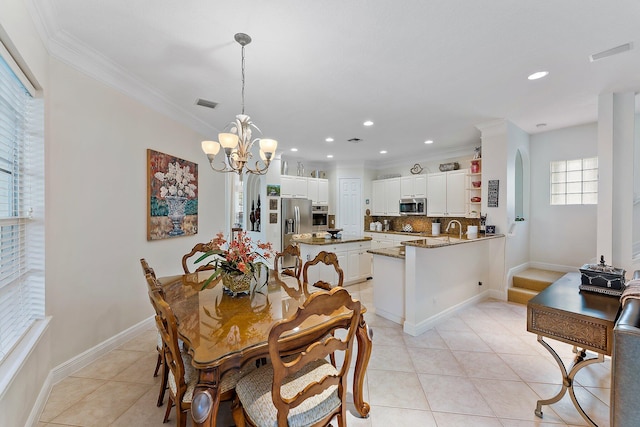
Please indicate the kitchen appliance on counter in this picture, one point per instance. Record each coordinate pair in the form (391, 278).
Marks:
(296, 219)
(416, 206)
(319, 218)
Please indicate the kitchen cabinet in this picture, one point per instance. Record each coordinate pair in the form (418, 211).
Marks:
(386, 197)
(380, 240)
(446, 193)
(353, 258)
(318, 190)
(293, 187)
(413, 186)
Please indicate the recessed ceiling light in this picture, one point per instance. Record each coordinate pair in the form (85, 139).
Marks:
(368, 123)
(329, 156)
(294, 149)
(329, 139)
(538, 75)
(383, 152)
(428, 141)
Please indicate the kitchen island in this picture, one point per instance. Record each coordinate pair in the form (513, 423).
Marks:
(434, 277)
(352, 255)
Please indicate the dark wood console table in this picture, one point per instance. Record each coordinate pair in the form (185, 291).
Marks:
(583, 319)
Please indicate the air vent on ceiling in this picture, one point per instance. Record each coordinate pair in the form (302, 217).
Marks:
(610, 52)
(354, 140)
(204, 103)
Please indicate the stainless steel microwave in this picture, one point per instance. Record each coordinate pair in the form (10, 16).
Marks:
(413, 207)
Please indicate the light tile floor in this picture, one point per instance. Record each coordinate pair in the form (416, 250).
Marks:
(475, 369)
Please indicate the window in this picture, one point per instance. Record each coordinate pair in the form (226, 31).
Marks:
(574, 182)
(21, 205)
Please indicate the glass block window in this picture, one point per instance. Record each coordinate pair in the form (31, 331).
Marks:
(574, 182)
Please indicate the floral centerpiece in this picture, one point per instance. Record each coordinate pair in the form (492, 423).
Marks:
(237, 261)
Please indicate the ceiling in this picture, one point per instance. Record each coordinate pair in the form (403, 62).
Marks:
(419, 69)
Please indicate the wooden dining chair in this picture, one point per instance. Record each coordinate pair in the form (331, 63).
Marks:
(198, 249)
(326, 258)
(146, 269)
(300, 387)
(294, 251)
(154, 286)
(182, 376)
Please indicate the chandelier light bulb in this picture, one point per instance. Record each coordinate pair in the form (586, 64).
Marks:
(228, 140)
(268, 145)
(210, 147)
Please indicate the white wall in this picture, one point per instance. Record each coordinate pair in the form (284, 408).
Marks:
(95, 167)
(561, 235)
(96, 205)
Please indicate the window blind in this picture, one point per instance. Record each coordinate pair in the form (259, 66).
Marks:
(21, 207)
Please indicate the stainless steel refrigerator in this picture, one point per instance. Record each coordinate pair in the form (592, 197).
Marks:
(296, 219)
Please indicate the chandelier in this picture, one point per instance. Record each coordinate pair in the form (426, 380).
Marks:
(237, 142)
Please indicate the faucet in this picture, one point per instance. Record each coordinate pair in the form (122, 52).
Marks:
(454, 226)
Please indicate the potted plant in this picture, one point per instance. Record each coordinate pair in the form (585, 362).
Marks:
(237, 262)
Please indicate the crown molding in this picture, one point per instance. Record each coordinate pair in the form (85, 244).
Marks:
(73, 52)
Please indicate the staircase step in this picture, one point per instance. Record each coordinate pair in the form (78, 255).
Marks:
(535, 279)
(520, 295)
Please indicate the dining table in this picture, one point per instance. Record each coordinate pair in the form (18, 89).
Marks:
(223, 332)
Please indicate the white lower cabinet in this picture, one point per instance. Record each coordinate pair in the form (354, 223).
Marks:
(353, 258)
(380, 240)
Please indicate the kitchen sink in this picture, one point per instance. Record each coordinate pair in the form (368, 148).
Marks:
(442, 239)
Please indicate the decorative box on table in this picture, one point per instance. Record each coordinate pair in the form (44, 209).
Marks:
(602, 278)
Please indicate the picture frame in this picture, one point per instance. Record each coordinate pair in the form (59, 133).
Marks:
(273, 218)
(273, 190)
(273, 204)
(172, 196)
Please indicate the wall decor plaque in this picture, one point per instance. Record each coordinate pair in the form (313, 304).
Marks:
(493, 192)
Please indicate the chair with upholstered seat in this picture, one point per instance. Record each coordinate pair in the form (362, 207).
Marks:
(294, 251)
(154, 286)
(299, 387)
(146, 269)
(198, 249)
(182, 376)
(152, 283)
(326, 258)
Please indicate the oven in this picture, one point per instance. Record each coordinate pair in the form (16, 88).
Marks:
(320, 218)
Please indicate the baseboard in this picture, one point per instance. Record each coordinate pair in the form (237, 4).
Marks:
(78, 362)
(41, 401)
(515, 270)
(425, 325)
(499, 295)
(392, 317)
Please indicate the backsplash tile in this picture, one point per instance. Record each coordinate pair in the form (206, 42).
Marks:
(420, 224)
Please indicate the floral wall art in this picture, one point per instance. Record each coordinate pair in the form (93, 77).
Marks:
(172, 196)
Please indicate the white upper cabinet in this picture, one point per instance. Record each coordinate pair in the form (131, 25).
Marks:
(446, 193)
(318, 190)
(386, 197)
(293, 186)
(413, 186)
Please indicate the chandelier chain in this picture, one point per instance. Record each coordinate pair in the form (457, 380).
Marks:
(243, 79)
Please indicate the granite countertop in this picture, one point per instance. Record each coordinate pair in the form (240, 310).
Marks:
(394, 252)
(428, 242)
(323, 241)
(404, 233)
(444, 240)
